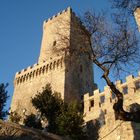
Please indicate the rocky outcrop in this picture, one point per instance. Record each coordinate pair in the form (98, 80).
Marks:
(12, 131)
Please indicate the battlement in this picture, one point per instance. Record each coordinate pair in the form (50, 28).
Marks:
(69, 9)
(37, 70)
(58, 14)
(104, 100)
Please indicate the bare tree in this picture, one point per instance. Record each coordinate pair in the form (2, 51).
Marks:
(128, 6)
(114, 49)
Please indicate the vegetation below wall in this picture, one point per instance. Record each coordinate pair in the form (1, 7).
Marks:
(12, 131)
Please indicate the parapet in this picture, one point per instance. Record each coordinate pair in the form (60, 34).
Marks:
(36, 70)
(105, 99)
(69, 9)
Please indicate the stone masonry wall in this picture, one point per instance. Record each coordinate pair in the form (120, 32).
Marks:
(61, 63)
(100, 107)
(33, 79)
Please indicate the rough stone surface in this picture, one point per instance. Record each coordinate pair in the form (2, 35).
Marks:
(102, 110)
(12, 131)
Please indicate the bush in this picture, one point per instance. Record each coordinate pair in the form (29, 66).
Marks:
(14, 117)
(33, 121)
(64, 119)
(70, 122)
(3, 99)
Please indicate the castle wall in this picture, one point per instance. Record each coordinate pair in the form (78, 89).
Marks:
(31, 80)
(79, 68)
(62, 63)
(56, 36)
(102, 110)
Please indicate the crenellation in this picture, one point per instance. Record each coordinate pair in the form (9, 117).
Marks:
(58, 14)
(118, 82)
(36, 70)
(129, 78)
(129, 89)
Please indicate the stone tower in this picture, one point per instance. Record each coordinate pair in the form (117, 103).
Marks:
(64, 62)
(137, 17)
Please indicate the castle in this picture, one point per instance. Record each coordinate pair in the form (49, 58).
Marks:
(63, 64)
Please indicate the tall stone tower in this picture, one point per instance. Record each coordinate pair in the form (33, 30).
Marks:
(137, 17)
(64, 62)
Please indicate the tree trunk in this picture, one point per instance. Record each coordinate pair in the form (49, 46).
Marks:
(120, 113)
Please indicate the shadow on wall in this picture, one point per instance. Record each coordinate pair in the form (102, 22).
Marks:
(92, 129)
(135, 126)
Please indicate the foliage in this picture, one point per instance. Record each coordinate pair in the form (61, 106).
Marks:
(126, 5)
(3, 99)
(92, 128)
(63, 118)
(114, 46)
(14, 117)
(33, 121)
(70, 122)
(49, 104)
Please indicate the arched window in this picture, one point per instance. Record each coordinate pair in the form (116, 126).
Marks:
(27, 76)
(33, 73)
(54, 64)
(37, 72)
(30, 75)
(40, 70)
(47, 67)
(58, 61)
(21, 80)
(61, 62)
(43, 70)
(50, 66)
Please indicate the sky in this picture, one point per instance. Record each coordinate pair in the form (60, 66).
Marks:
(21, 32)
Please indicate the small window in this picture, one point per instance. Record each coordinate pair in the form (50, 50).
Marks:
(54, 43)
(99, 104)
(105, 111)
(125, 90)
(102, 99)
(92, 103)
(50, 66)
(110, 100)
(137, 85)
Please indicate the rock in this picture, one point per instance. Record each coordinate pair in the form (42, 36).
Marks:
(13, 131)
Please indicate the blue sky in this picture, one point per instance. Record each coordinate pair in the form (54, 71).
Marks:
(21, 32)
